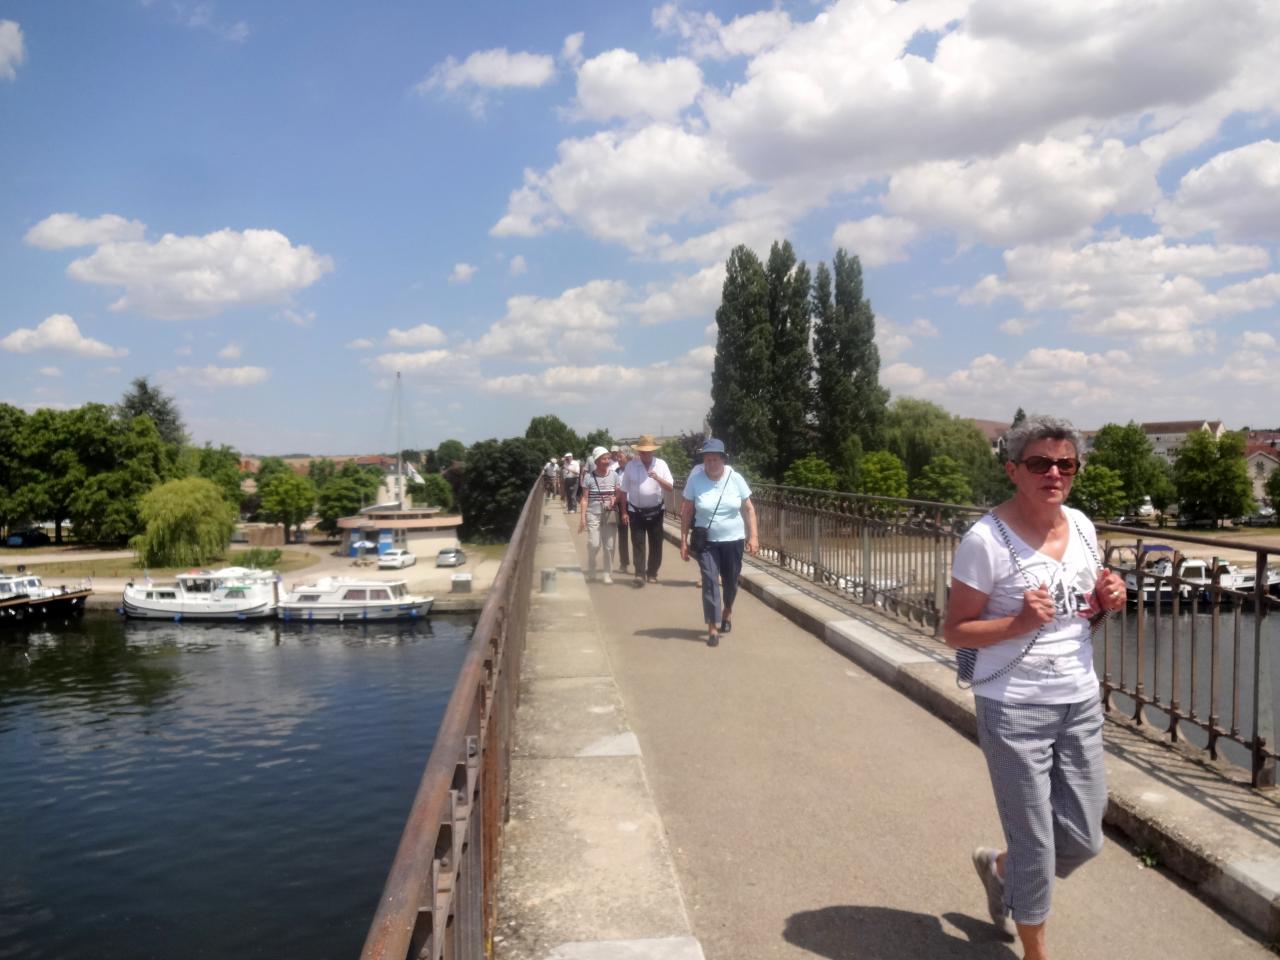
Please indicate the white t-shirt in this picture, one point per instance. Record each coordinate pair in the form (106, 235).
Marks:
(641, 489)
(1059, 668)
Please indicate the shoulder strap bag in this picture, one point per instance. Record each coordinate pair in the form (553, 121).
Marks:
(967, 657)
(698, 535)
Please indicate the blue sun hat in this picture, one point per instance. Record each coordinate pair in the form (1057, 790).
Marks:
(713, 445)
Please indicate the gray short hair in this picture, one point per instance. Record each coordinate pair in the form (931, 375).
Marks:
(1035, 428)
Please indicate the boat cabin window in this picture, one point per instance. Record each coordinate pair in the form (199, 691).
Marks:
(308, 598)
(379, 595)
(360, 594)
(398, 590)
(235, 593)
(161, 595)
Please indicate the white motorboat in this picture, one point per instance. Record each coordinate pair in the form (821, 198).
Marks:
(1158, 579)
(351, 599)
(232, 593)
(1242, 580)
(24, 595)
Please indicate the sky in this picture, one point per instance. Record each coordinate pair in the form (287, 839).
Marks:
(525, 208)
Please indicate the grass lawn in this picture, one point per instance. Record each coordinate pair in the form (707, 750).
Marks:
(291, 561)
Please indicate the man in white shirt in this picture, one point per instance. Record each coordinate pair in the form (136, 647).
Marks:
(645, 481)
(570, 483)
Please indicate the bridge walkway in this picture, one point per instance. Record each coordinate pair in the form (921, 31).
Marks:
(775, 799)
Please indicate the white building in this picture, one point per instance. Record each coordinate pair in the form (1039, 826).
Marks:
(1168, 436)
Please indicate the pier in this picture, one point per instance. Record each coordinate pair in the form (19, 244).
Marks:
(808, 788)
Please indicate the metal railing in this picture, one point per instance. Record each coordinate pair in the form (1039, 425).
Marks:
(1191, 657)
(440, 898)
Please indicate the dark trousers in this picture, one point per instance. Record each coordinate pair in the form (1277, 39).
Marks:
(720, 563)
(571, 494)
(624, 545)
(646, 542)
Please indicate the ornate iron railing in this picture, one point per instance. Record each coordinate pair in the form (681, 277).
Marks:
(1193, 658)
(439, 902)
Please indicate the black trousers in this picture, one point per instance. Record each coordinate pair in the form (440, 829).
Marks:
(646, 542)
(624, 545)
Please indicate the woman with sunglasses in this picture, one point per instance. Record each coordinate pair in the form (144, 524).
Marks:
(1026, 584)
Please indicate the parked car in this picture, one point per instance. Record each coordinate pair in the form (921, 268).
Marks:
(451, 557)
(28, 538)
(395, 559)
(1266, 517)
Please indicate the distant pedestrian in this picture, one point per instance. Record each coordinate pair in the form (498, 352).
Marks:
(619, 461)
(569, 475)
(645, 482)
(598, 518)
(1026, 582)
(549, 472)
(717, 521)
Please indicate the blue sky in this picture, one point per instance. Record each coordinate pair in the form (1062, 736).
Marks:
(271, 208)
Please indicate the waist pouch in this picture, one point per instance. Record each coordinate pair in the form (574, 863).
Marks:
(647, 513)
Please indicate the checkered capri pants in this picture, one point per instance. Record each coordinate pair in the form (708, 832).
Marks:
(1046, 766)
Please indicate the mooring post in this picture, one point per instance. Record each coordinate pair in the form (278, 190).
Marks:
(549, 580)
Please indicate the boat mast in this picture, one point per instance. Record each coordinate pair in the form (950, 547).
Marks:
(399, 444)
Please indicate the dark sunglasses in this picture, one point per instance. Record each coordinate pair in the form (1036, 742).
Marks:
(1067, 466)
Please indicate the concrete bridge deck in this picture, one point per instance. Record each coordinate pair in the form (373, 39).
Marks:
(773, 798)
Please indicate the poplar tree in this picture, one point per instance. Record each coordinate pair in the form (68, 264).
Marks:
(849, 401)
(789, 387)
(740, 380)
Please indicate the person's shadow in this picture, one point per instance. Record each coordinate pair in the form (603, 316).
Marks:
(674, 633)
(880, 933)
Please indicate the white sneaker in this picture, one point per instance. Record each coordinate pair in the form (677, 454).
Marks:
(608, 579)
(984, 863)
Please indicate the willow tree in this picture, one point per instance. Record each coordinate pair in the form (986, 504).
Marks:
(187, 522)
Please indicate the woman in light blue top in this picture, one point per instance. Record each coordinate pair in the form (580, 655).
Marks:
(717, 499)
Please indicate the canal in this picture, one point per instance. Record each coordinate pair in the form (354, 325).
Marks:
(210, 791)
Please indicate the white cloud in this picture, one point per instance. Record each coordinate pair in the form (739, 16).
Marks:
(12, 51)
(202, 15)
(571, 49)
(517, 266)
(708, 38)
(49, 372)
(895, 339)
(697, 295)
(423, 335)
(1137, 288)
(60, 231)
(1017, 326)
(424, 361)
(178, 278)
(1235, 195)
(183, 351)
(488, 70)
(576, 326)
(1252, 363)
(618, 186)
(58, 334)
(462, 273)
(876, 240)
(299, 318)
(360, 343)
(213, 377)
(1257, 340)
(618, 84)
(231, 351)
(1034, 192)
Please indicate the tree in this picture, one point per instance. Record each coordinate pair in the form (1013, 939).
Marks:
(810, 472)
(553, 438)
(1128, 451)
(411, 456)
(1018, 417)
(848, 459)
(343, 496)
(106, 507)
(1272, 489)
(142, 399)
(287, 499)
(678, 460)
(186, 522)
(498, 478)
(268, 467)
(596, 438)
(320, 472)
(849, 397)
(454, 451)
(12, 429)
(792, 365)
(434, 491)
(917, 431)
(1212, 478)
(942, 480)
(740, 413)
(59, 450)
(222, 466)
(1098, 491)
(883, 475)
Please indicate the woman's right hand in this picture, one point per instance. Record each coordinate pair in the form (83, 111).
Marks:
(684, 550)
(1037, 610)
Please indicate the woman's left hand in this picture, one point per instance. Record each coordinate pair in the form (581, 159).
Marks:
(1109, 592)
(753, 545)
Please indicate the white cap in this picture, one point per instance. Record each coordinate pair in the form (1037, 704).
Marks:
(599, 452)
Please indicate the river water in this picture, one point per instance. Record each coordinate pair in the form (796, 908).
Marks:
(210, 791)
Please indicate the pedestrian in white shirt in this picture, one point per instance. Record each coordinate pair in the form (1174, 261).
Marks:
(645, 482)
(569, 481)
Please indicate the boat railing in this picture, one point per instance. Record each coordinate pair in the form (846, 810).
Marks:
(440, 897)
(1196, 668)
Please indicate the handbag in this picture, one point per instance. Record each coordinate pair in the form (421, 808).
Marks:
(967, 657)
(698, 536)
(608, 515)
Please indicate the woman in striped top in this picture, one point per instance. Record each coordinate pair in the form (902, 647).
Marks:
(596, 513)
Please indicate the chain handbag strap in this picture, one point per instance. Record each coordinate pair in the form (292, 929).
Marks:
(727, 474)
(1026, 577)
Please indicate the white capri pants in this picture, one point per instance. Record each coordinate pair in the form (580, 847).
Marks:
(1050, 783)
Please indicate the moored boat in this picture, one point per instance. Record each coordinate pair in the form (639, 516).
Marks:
(351, 599)
(232, 593)
(24, 596)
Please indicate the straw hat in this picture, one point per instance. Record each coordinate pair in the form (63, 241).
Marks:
(646, 444)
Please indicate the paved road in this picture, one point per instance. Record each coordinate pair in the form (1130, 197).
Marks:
(813, 811)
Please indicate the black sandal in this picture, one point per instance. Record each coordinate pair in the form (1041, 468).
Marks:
(726, 626)
(713, 639)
